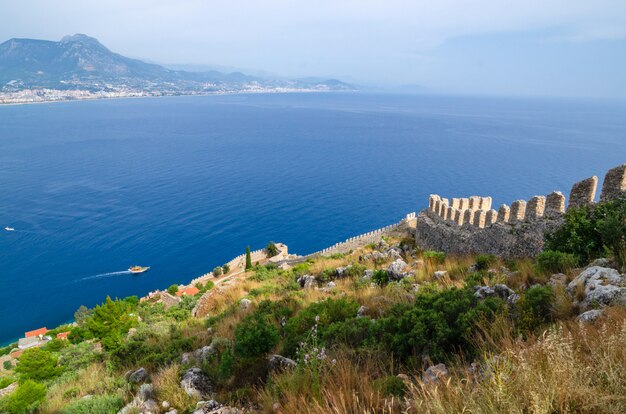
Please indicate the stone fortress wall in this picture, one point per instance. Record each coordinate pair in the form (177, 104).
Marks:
(364, 239)
(471, 225)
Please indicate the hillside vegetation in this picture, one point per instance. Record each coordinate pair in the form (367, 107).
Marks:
(385, 329)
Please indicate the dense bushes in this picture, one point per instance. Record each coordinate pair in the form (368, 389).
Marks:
(551, 261)
(592, 231)
(483, 261)
(535, 308)
(100, 404)
(110, 321)
(38, 365)
(25, 399)
(152, 349)
(434, 256)
(255, 336)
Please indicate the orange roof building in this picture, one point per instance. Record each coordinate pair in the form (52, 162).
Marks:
(36, 332)
(191, 291)
(63, 335)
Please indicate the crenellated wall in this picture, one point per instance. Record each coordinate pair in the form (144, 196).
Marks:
(470, 225)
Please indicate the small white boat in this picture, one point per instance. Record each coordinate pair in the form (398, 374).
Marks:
(9, 228)
(138, 269)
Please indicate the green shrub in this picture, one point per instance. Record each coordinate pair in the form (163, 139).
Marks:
(271, 249)
(172, 290)
(263, 273)
(110, 321)
(55, 345)
(590, 231)
(217, 271)
(7, 349)
(326, 312)
(248, 258)
(551, 261)
(475, 279)
(437, 325)
(434, 256)
(152, 349)
(78, 356)
(78, 334)
(7, 365)
(380, 277)
(226, 268)
(255, 336)
(25, 399)
(484, 261)
(391, 386)
(38, 365)
(535, 307)
(98, 404)
(6, 381)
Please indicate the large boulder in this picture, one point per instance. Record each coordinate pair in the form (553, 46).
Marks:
(307, 281)
(278, 363)
(590, 315)
(196, 383)
(137, 377)
(199, 355)
(602, 286)
(500, 290)
(396, 270)
(144, 402)
(213, 407)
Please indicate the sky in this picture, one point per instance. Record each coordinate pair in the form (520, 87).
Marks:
(504, 47)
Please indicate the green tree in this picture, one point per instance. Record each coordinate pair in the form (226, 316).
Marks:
(248, 258)
(271, 249)
(24, 399)
(38, 365)
(255, 336)
(110, 320)
(226, 268)
(172, 289)
(217, 271)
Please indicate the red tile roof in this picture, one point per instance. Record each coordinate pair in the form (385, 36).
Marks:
(188, 292)
(36, 332)
(63, 335)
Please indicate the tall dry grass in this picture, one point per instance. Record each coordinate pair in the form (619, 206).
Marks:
(572, 368)
(167, 386)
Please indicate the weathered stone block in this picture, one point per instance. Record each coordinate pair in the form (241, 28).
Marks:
(518, 211)
(583, 192)
(459, 217)
(479, 218)
(535, 207)
(468, 216)
(504, 213)
(614, 185)
(555, 202)
(431, 202)
(437, 207)
(474, 202)
(485, 203)
(456, 203)
(491, 217)
(464, 204)
(450, 213)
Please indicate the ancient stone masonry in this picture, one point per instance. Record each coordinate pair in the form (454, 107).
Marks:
(583, 192)
(614, 185)
(471, 225)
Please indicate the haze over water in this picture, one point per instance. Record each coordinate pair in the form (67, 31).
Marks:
(183, 184)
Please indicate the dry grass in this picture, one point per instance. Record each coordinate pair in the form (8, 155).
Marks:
(92, 380)
(167, 385)
(572, 368)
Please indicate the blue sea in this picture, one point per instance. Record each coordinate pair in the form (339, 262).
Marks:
(183, 184)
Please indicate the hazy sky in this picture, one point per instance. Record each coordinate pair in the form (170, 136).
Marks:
(530, 47)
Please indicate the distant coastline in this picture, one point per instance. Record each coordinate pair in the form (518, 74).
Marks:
(95, 96)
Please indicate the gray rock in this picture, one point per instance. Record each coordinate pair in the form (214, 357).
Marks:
(602, 262)
(439, 274)
(393, 253)
(145, 393)
(199, 355)
(138, 376)
(172, 411)
(244, 304)
(603, 286)
(557, 279)
(513, 299)
(307, 281)
(368, 274)
(499, 290)
(331, 285)
(396, 270)
(590, 315)
(342, 271)
(361, 312)
(165, 404)
(278, 363)
(435, 373)
(195, 383)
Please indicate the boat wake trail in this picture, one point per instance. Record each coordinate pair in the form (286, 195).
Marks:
(109, 274)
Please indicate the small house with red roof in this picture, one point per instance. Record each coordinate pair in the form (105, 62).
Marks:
(63, 335)
(190, 291)
(36, 332)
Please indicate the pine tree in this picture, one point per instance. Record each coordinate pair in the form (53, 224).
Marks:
(248, 259)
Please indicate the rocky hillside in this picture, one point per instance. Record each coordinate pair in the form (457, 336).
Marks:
(386, 328)
(81, 62)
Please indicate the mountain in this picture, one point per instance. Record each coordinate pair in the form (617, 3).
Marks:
(80, 62)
